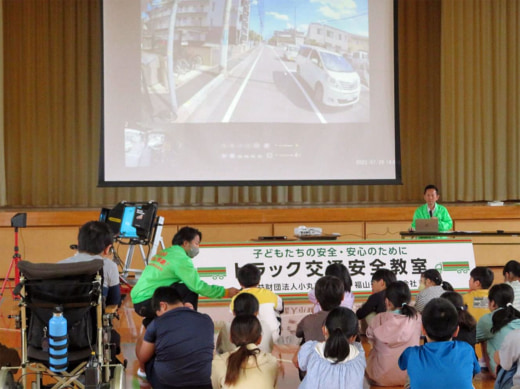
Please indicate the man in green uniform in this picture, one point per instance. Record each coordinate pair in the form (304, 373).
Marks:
(432, 210)
(174, 267)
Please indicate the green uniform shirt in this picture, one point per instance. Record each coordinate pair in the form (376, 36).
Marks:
(170, 266)
(440, 212)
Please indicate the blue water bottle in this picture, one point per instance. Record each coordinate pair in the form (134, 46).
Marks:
(58, 341)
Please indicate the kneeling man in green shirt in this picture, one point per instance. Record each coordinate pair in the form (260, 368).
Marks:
(174, 267)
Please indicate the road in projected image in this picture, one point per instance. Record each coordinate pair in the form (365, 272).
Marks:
(264, 86)
(255, 62)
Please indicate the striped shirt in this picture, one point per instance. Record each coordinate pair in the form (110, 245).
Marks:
(516, 288)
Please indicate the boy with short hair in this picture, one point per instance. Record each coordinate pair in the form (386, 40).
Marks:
(329, 293)
(177, 347)
(376, 301)
(480, 280)
(95, 240)
(441, 362)
(271, 305)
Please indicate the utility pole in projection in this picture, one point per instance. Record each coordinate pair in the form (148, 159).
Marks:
(294, 28)
(170, 57)
(224, 44)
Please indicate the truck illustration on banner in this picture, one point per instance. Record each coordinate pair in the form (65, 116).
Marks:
(458, 266)
(213, 272)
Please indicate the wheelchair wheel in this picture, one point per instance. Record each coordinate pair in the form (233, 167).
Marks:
(7, 380)
(118, 379)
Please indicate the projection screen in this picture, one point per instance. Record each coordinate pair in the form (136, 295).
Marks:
(249, 92)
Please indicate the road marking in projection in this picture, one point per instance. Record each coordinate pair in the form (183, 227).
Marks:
(192, 104)
(234, 102)
(309, 100)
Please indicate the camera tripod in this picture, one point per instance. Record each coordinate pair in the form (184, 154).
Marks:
(14, 264)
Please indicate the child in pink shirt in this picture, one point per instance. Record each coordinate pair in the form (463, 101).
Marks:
(390, 333)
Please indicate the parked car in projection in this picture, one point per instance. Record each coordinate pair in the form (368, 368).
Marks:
(290, 53)
(331, 77)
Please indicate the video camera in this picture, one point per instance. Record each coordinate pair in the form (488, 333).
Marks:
(133, 221)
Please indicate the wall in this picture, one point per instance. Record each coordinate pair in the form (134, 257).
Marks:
(53, 77)
(49, 234)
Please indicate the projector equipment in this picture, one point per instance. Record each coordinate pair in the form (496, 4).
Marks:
(307, 231)
(17, 221)
(132, 221)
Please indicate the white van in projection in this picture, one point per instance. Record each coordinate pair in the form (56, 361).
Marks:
(332, 78)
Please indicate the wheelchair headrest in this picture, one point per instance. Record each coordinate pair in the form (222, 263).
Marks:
(47, 271)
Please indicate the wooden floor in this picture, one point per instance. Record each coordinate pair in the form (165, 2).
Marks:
(129, 326)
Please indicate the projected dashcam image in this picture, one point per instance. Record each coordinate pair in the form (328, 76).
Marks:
(255, 61)
(220, 92)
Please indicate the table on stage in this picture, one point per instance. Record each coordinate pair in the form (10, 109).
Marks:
(453, 234)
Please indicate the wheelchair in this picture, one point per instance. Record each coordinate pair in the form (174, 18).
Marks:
(76, 288)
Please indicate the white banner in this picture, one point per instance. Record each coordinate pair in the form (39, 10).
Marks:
(290, 269)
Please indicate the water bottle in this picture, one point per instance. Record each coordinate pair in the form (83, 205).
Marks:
(92, 372)
(58, 341)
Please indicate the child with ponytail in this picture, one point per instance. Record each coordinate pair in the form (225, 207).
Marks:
(467, 323)
(247, 367)
(431, 286)
(390, 333)
(493, 327)
(339, 362)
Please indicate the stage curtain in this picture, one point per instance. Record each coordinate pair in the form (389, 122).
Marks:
(480, 109)
(53, 115)
(3, 199)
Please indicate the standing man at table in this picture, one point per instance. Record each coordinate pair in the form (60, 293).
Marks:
(432, 210)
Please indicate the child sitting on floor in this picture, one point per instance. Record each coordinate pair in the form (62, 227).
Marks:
(508, 357)
(339, 362)
(329, 292)
(270, 304)
(245, 304)
(431, 286)
(376, 302)
(511, 274)
(467, 323)
(442, 362)
(480, 280)
(248, 366)
(390, 333)
(337, 270)
(493, 327)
